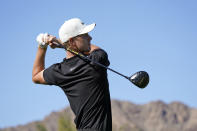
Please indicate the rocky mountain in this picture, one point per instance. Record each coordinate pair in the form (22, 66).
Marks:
(127, 116)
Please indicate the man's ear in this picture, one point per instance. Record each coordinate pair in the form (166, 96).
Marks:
(72, 43)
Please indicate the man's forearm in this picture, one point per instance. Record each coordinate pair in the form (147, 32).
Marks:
(39, 63)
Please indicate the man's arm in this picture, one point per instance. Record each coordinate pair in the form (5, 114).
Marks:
(39, 66)
(93, 47)
(39, 63)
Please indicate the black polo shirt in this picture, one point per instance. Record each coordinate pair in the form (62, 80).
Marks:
(86, 87)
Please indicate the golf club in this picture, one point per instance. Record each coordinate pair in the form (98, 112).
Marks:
(140, 78)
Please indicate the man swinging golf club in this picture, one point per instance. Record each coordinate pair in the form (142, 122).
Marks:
(84, 83)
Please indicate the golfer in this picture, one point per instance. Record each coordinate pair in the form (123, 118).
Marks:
(84, 83)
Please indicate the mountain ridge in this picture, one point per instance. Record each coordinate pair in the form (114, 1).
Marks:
(126, 116)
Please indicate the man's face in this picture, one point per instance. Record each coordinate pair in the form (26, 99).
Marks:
(82, 42)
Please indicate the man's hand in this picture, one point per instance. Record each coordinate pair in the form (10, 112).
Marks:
(46, 39)
(49, 40)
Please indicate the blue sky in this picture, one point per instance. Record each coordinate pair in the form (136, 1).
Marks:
(158, 36)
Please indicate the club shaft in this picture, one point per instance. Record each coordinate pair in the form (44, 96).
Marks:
(99, 64)
(118, 73)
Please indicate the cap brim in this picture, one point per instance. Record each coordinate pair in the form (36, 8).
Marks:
(88, 28)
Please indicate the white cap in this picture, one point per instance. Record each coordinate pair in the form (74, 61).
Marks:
(72, 28)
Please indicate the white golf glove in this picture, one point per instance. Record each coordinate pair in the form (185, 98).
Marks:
(42, 40)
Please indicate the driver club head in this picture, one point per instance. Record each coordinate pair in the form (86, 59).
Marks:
(140, 79)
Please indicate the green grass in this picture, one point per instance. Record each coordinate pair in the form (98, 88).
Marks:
(64, 124)
(40, 127)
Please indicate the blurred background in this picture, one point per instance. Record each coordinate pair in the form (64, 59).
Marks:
(158, 36)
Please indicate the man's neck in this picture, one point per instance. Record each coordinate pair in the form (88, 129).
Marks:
(69, 55)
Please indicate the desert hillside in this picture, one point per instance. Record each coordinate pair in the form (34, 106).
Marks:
(153, 116)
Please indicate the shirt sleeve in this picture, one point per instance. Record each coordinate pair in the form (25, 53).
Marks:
(51, 74)
(100, 56)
